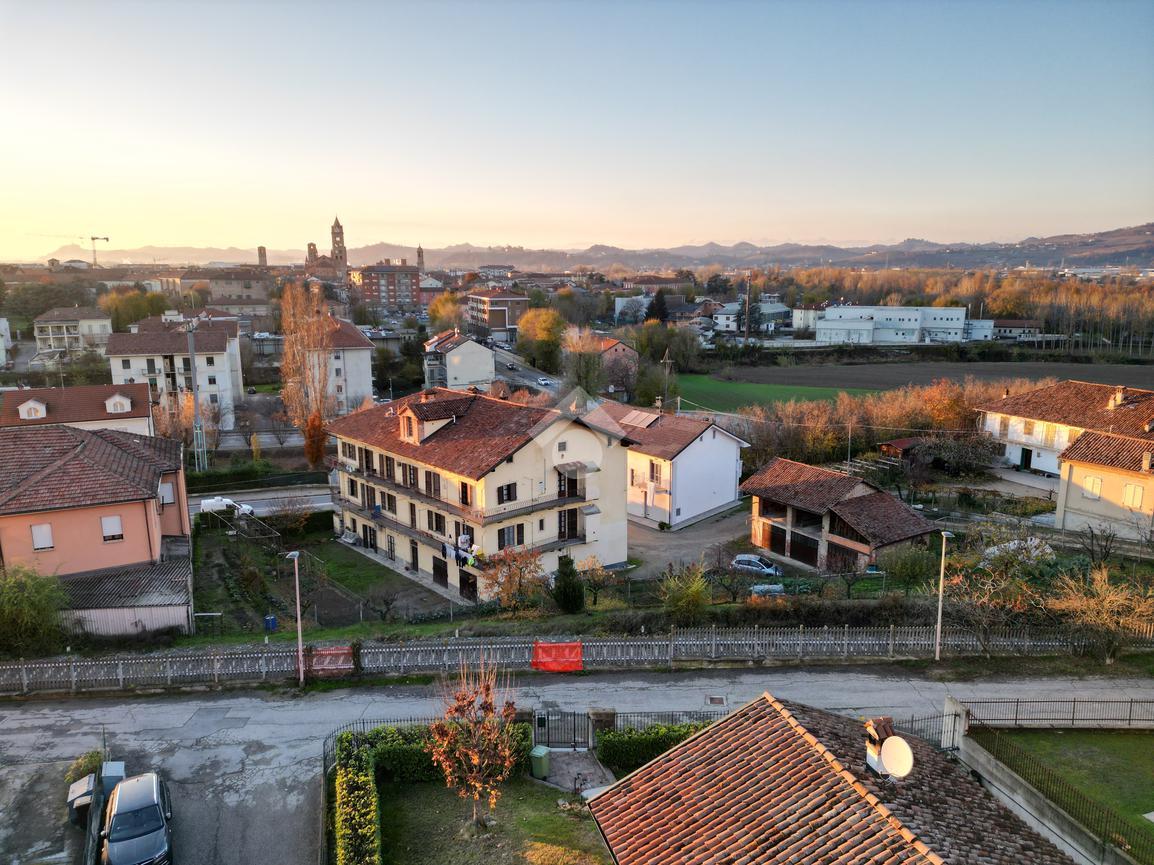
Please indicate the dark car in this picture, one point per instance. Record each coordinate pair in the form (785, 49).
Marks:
(138, 825)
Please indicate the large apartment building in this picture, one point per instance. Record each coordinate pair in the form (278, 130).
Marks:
(395, 286)
(496, 312)
(157, 353)
(438, 481)
(66, 331)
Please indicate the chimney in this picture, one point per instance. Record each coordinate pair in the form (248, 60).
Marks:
(1006, 393)
(877, 731)
(1148, 427)
(1146, 461)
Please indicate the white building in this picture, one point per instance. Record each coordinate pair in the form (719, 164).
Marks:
(876, 325)
(122, 407)
(5, 341)
(731, 315)
(680, 468)
(806, 317)
(157, 353)
(350, 367)
(69, 330)
(453, 360)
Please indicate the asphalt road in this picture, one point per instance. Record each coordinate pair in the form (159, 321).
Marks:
(315, 498)
(523, 375)
(244, 765)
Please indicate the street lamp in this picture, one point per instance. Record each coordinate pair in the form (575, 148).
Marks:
(295, 556)
(941, 591)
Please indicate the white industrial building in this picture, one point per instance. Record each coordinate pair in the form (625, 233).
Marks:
(874, 325)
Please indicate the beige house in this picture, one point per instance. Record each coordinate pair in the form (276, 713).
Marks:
(437, 481)
(826, 519)
(453, 360)
(1107, 481)
(69, 330)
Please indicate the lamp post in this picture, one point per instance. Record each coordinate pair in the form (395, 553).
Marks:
(941, 591)
(295, 556)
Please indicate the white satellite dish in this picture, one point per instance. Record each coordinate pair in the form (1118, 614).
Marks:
(896, 757)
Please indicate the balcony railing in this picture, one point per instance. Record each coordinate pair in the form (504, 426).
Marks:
(483, 516)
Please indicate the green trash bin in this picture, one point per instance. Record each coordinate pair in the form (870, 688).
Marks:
(539, 762)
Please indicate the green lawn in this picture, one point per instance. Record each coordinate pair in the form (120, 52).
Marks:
(1113, 767)
(421, 825)
(267, 388)
(730, 395)
(359, 573)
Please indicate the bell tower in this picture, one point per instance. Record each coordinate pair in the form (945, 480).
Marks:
(339, 254)
(420, 259)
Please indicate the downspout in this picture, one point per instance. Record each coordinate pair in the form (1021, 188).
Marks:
(148, 529)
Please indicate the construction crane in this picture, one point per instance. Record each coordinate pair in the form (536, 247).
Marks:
(94, 238)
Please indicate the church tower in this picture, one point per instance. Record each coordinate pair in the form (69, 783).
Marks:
(340, 255)
(420, 259)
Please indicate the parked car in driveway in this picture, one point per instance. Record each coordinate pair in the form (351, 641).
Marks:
(510, 365)
(138, 826)
(755, 564)
(220, 503)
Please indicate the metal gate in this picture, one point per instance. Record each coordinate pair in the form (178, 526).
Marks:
(561, 729)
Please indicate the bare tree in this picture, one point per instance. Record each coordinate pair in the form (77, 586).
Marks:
(308, 330)
(1108, 611)
(1098, 543)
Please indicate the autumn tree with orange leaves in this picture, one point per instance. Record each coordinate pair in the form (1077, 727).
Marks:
(475, 744)
(308, 330)
(513, 576)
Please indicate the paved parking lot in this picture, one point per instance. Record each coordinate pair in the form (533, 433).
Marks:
(244, 765)
(657, 549)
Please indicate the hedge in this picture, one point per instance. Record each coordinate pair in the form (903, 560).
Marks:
(622, 751)
(390, 755)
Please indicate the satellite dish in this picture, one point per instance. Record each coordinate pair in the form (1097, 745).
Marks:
(896, 758)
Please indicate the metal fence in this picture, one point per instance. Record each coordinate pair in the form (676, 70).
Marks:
(1062, 713)
(1111, 828)
(751, 644)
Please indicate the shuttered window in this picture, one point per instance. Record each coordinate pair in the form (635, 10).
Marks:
(42, 536)
(111, 528)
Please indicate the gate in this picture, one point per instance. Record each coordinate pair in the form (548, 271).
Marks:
(561, 729)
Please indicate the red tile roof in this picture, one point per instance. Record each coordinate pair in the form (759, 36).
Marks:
(345, 334)
(1081, 404)
(665, 438)
(808, 487)
(778, 782)
(1114, 451)
(72, 313)
(58, 467)
(156, 323)
(446, 341)
(882, 519)
(73, 404)
(151, 342)
(486, 431)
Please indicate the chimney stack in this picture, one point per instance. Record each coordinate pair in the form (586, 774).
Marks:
(877, 731)
(1006, 393)
(1146, 461)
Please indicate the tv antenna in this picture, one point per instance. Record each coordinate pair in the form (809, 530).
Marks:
(95, 238)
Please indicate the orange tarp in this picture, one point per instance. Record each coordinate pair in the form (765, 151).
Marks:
(557, 657)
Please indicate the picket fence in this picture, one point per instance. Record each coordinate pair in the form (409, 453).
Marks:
(754, 644)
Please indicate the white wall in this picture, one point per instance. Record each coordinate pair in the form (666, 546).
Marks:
(221, 372)
(470, 364)
(706, 475)
(124, 621)
(1044, 447)
(356, 378)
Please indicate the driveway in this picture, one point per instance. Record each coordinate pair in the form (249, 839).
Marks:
(656, 549)
(244, 765)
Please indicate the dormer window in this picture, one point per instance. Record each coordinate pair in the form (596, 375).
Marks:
(410, 427)
(32, 410)
(117, 404)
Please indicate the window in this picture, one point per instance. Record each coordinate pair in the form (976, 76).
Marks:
(211, 361)
(1003, 426)
(562, 447)
(338, 372)
(654, 471)
(42, 536)
(111, 528)
(409, 427)
(1132, 496)
(125, 363)
(167, 495)
(436, 522)
(340, 388)
(1049, 431)
(466, 494)
(511, 536)
(433, 484)
(1028, 428)
(212, 379)
(213, 398)
(390, 468)
(507, 493)
(352, 488)
(1091, 488)
(390, 503)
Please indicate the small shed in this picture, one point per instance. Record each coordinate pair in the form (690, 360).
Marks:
(900, 449)
(130, 601)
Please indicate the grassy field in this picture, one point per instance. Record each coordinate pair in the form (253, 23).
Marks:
(729, 395)
(1113, 767)
(421, 825)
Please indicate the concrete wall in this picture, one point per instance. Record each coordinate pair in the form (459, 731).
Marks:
(706, 475)
(125, 621)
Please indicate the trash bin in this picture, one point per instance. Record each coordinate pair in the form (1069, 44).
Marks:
(79, 799)
(539, 762)
(269, 624)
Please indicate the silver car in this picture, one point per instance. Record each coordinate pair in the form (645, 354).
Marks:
(138, 825)
(755, 564)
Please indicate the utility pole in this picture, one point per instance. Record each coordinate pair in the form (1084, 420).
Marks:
(666, 362)
(748, 292)
(95, 238)
(199, 451)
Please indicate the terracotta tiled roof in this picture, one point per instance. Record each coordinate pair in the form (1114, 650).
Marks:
(63, 467)
(1105, 449)
(486, 431)
(345, 334)
(882, 519)
(72, 313)
(808, 487)
(666, 437)
(756, 787)
(608, 342)
(73, 404)
(157, 324)
(777, 782)
(208, 341)
(441, 406)
(1080, 404)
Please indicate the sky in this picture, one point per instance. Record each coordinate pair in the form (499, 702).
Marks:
(562, 124)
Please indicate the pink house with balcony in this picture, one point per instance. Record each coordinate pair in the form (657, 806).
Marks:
(106, 512)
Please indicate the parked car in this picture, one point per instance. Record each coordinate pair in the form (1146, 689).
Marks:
(755, 564)
(220, 503)
(250, 390)
(544, 382)
(138, 825)
(510, 365)
(767, 590)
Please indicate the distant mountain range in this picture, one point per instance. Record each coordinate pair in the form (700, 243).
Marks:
(1123, 246)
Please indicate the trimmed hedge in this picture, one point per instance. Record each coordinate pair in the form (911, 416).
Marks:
(622, 751)
(388, 755)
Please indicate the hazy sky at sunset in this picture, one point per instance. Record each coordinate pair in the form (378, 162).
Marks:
(568, 123)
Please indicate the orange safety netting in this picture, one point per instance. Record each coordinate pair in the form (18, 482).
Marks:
(557, 657)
